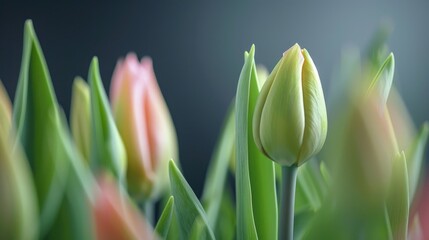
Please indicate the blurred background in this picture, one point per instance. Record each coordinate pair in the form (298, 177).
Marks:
(197, 49)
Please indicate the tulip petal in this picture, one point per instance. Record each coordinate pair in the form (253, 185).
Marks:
(283, 118)
(5, 110)
(18, 212)
(80, 117)
(316, 125)
(398, 200)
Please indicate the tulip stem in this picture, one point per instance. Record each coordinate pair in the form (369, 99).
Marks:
(149, 211)
(289, 175)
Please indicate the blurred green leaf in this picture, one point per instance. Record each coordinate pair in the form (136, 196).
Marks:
(415, 157)
(377, 48)
(164, 221)
(310, 187)
(384, 78)
(187, 206)
(218, 169)
(225, 226)
(107, 148)
(35, 113)
(74, 219)
(398, 200)
(246, 229)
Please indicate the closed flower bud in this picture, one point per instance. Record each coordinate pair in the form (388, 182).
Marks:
(18, 211)
(5, 110)
(80, 117)
(367, 149)
(145, 125)
(115, 216)
(290, 122)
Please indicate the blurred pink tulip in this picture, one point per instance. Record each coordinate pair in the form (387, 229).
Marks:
(115, 217)
(145, 125)
(419, 217)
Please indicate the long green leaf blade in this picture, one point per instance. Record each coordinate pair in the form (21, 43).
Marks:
(218, 169)
(35, 102)
(261, 174)
(187, 207)
(246, 229)
(107, 147)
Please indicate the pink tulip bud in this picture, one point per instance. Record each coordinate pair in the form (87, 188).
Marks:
(145, 125)
(115, 216)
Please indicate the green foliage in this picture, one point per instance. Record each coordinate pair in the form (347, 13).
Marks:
(191, 215)
(107, 148)
(164, 221)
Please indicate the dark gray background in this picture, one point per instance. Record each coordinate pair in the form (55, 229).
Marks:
(198, 48)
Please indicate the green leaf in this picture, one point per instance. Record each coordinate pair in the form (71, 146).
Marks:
(261, 173)
(35, 113)
(107, 148)
(218, 169)
(164, 221)
(246, 229)
(377, 49)
(415, 157)
(225, 226)
(187, 207)
(384, 78)
(310, 187)
(398, 200)
(74, 219)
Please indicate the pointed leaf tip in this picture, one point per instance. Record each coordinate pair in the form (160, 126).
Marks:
(384, 78)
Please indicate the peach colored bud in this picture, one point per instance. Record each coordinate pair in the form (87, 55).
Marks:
(115, 216)
(145, 125)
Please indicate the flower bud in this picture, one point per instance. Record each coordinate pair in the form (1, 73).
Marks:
(290, 122)
(115, 216)
(145, 125)
(5, 110)
(18, 211)
(80, 117)
(366, 151)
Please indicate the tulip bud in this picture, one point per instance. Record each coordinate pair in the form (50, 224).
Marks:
(5, 109)
(290, 122)
(145, 125)
(18, 211)
(80, 117)
(115, 216)
(367, 149)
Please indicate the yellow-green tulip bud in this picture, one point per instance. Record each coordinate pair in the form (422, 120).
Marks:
(18, 211)
(290, 122)
(5, 109)
(80, 117)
